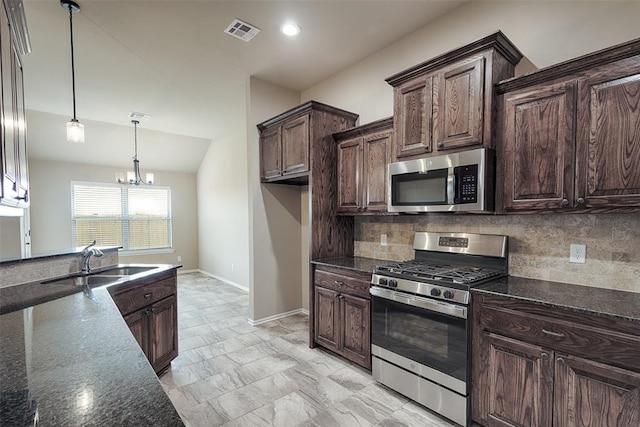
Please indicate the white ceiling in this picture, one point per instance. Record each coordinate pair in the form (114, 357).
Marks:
(172, 60)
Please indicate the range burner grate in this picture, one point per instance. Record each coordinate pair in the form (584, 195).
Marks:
(438, 272)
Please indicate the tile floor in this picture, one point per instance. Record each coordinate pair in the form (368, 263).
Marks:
(230, 373)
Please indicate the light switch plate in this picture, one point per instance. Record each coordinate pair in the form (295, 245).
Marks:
(383, 240)
(577, 253)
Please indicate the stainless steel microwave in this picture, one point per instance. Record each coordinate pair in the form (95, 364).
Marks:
(456, 182)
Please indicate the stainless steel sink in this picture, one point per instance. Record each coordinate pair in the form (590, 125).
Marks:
(91, 281)
(125, 271)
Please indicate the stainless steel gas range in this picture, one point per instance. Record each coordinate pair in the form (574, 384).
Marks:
(420, 319)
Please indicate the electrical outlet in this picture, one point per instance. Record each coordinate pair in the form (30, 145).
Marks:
(383, 240)
(577, 253)
(179, 258)
(233, 267)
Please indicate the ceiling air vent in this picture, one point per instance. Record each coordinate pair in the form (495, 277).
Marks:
(242, 30)
(141, 117)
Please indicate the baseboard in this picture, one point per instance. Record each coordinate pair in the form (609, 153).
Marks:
(278, 316)
(193, 270)
(229, 282)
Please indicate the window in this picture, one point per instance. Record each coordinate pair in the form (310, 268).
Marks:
(136, 218)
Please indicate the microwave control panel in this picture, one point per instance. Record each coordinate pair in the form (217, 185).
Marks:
(466, 184)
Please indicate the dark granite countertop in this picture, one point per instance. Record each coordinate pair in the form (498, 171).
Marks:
(362, 264)
(73, 361)
(583, 299)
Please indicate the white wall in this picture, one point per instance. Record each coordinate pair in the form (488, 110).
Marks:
(276, 216)
(223, 203)
(51, 209)
(545, 32)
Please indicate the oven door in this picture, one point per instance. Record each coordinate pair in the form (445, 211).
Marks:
(406, 329)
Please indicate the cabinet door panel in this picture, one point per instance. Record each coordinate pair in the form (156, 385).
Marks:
(539, 148)
(376, 158)
(520, 383)
(349, 175)
(460, 100)
(327, 318)
(20, 133)
(138, 324)
(164, 337)
(270, 153)
(295, 146)
(609, 144)
(356, 344)
(591, 394)
(413, 118)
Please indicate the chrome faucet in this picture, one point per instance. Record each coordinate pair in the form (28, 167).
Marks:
(86, 256)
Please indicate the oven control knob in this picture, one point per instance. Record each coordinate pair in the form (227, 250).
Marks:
(393, 283)
(448, 294)
(435, 292)
(382, 281)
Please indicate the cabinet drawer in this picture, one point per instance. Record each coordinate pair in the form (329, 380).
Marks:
(343, 284)
(583, 340)
(136, 295)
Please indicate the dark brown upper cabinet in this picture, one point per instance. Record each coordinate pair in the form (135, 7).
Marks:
(448, 103)
(287, 140)
(569, 139)
(363, 155)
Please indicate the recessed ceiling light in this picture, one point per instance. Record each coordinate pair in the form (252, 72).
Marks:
(290, 29)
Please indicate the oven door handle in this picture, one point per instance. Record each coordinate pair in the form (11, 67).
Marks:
(427, 304)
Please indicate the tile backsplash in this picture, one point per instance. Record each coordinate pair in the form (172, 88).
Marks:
(538, 244)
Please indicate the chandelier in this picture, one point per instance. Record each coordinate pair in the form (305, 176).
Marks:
(134, 177)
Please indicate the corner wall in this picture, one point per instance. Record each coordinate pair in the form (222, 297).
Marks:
(275, 216)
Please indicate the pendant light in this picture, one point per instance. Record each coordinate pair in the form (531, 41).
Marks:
(133, 177)
(75, 129)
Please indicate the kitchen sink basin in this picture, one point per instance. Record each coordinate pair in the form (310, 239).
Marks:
(125, 271)
(90, 281)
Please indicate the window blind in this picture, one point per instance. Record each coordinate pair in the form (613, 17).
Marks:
(136, 218)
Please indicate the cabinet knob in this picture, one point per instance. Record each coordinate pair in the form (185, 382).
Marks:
(147, 296)
(560, 360)
(544, 356)
(580, 201)
(565, 202)
(338, 282)
(441, 145)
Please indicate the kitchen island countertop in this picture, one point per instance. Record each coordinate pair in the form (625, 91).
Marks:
(73, 361)
(583, 299)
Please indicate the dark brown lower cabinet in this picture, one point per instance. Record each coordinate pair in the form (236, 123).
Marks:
(342, 315)
(536, 366)
(150, 308)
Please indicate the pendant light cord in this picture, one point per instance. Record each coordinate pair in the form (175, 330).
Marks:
(135, 138)
(73, 72)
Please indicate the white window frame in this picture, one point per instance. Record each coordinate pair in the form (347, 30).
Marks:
(125, 251)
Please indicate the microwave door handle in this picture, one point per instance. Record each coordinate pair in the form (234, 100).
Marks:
(452, 186)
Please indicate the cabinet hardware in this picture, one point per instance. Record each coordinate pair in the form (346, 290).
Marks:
(338, 282)
(580, 201)
(553, 334)
(565, 202)
(441, 145)
(560, 360)
(147, 296)
(544, 356)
